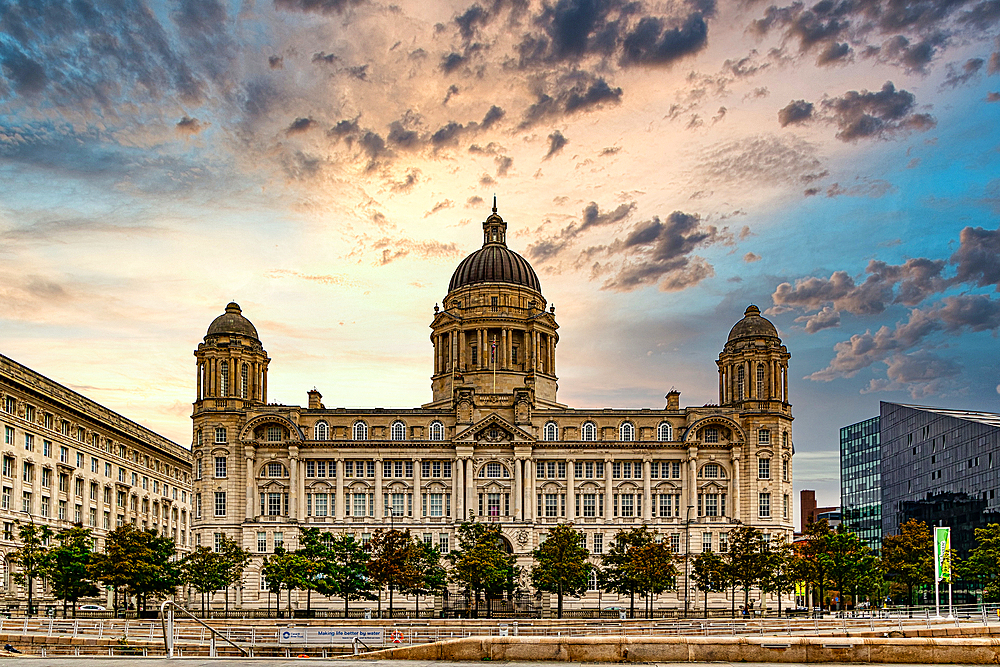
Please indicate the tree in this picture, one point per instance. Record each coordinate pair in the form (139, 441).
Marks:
(204, 570)
(781, 572)
(235, 559)
(315, 547)
(908, 557)
(433, 578)
(31, 557)
(394, 562)
(481, 564)
(710, 574)
(617, 574)
(849, 559)
(66, 567)
(983, 563)
(813, 564)
(288, 570)
(345, 571)
(561, 564)
(748, 558)
(137, 563)
(652, 568)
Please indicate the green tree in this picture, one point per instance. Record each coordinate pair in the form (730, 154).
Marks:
(31, 557)
(137, 563)
(908, 556)
(561, 564)
(748, 558)
(983, 563)
(288, 570)
(395, 562)
(66, 567)
(316, 547)
(345, 571)
(481, 564)
(813, 564)
(235, 559)
(710, 574)
(204, 570)
(849, 559)
(781, 572)
(652, 569)
(617, 573)
(433, 578)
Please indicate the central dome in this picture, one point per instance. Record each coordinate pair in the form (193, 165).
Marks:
(753, 326)
(494, 262)
(231, 323)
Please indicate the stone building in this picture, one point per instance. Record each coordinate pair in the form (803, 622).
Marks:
(494, 443)
(68, 460)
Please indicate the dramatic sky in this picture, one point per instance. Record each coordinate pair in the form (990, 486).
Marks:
(662, 164)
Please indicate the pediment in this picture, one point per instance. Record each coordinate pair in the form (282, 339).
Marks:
(493, 429)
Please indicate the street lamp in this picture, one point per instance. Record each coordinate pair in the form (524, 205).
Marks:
(687, 551)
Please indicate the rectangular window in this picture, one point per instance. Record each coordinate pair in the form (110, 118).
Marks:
(675, 542)
(261, 543)
(723, 542)
(220, 436)
(706, 541)
(589, 504)
(360, 504)
(320, 505)
(711, 504)
(588, 470)
(46, 448)
(763, 468)
(107, 470)
(29, 442)
(8, 466)
(8, 435)
(784, 470)
(436, 504)
(220, 467)
(273, 504)
(598, 543)
(627, 505)
(26, 502)
(764, 505)
(551, 505)
(5, 499)
(28, 472)
(443, 545)
(764, 436)
(785, 507)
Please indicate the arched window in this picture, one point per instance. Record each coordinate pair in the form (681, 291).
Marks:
(711, 434)
(710, 471)
(664, 432)
(275, 470)
(224, 378)
(360, 431)
(760, 381)
(322, 431)
(437, 431)
(397, 431)
(494, 471)
(588, 433)
(244, 380)
(740, 379)
(626, 432)
(551, 432)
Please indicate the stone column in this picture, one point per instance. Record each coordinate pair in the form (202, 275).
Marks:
(293, 485)
(502, 350)
(248, 453)
(461, 350)
(518, 490)
(470, 488)
(418, 505)
(570, 489)
(608, 490)
(735, 510)
(457, 475)
(693, 476)
(379, 506)
(341, 500)
(647, 491)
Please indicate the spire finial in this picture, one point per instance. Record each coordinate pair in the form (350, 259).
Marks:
(494, 202)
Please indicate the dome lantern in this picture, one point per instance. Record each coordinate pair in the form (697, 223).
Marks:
(494, 262)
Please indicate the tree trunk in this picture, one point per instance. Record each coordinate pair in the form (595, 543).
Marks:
(227, 598)
(29, 595)
(631, 605)
(732, 601)
(559, 601)
(346, 603)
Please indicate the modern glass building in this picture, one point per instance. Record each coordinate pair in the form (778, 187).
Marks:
(860, 480)
(940, 466)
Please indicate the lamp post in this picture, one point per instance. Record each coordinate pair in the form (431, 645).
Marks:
(687, 551)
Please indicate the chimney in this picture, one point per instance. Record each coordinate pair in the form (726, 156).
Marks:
(673, 400)
(314, 400)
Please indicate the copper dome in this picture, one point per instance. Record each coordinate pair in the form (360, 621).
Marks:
(494, 262)
(753, 326)
(232, 323)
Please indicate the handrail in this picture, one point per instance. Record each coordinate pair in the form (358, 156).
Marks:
(168, 638)
(358, 640)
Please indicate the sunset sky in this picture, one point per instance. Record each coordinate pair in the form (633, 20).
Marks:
(327, 163)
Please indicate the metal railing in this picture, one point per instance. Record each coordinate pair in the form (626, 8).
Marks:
(167, 623)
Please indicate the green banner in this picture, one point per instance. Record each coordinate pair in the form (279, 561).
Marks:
(942, 554)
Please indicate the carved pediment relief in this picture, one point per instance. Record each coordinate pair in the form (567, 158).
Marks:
(493, 429)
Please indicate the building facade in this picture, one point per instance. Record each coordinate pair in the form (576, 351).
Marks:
(68, 460)
(493, 443)
(938, 467)
(861, 480)
(809, 511)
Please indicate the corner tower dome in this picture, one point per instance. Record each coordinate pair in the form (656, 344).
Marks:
(494, 262)
(752, 326)
(233, 323)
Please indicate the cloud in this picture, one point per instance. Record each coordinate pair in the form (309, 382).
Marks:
(660, 251)
(994, 66)
(960, 76)
(796, 111)
(759, 159)
(993, 97)
(824, 319)
(300, 125)
(26, 74)
(189, 126)
(493, 116)
(276, 62)
(568, 94)
(556, 143)
(978, 257)
(317, 6)
(652, 42)
(440, 206)
(750, 258)
(592, 217)
(921, 374)
(835, 53)
(389, 250)
(882, 114)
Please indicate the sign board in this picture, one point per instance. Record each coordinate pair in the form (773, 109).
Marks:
(942, 554)
(341, 635)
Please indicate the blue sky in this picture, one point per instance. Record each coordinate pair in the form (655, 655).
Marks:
(326, 163)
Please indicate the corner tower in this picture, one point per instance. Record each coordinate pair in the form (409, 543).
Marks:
(494, 334)
(753, 366)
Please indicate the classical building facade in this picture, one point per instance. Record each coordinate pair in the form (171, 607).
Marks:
(494, 443)
(68, 460)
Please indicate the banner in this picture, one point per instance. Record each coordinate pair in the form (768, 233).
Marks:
(942, 554)
(336, 635)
